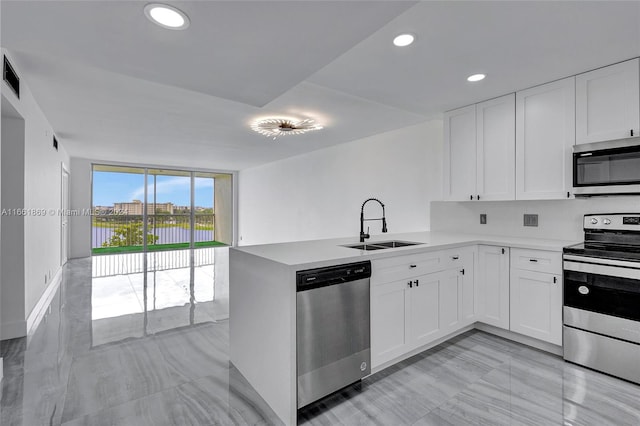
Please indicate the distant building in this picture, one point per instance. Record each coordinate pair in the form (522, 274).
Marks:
(135, 208)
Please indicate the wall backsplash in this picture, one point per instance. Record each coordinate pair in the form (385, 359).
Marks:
(557, 219)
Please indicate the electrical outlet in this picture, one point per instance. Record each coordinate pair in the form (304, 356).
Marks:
(483, 218)
(530, 220)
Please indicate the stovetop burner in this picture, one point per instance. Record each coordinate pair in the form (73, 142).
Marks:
(605, 251)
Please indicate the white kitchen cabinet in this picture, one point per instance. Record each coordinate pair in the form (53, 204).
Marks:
(496, 149)
(404, 315)
(457, 299)
(479, 151)
(389, 317)
(608, 103)
(492, 286)
(545, 135)
(536, 298)
(459, 159)
(413, 311)
(424, 309)
(449, 295)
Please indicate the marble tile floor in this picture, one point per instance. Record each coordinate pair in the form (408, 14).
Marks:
(182, 376)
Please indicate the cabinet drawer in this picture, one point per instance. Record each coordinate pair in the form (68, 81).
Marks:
(537, 260)
(457, 257)
(400, 267)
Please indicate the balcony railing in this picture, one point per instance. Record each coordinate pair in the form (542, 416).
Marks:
(124, 233)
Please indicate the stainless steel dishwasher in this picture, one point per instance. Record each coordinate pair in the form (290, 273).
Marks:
(332, 328)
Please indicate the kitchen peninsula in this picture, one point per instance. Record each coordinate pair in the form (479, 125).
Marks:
(454, 294)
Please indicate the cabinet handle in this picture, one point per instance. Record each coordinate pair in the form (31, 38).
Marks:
(455, 257)
(412, 266)
(555, 280)
(502, 250)
(410, 284)
(462, 271)
(471, 197)
(478, 197)
(631, 132)
(533, 260)
(568, 194)
(417, 282)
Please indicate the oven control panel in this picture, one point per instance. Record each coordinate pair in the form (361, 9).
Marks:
(613, 221)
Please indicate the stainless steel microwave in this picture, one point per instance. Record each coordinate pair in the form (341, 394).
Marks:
(607, 168)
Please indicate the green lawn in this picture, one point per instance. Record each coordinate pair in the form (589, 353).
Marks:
(155, 247)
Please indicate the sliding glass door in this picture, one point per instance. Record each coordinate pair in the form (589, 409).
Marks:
(148, 209)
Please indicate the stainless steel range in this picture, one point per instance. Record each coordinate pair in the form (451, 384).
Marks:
(602, 296)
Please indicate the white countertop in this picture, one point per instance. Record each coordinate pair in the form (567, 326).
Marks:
(310, 254)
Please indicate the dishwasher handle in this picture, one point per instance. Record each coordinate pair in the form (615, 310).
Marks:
(310, 279)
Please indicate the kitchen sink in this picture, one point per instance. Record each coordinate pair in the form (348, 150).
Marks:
(381, 245)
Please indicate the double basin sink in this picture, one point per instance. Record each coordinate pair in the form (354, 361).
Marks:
(381, 245)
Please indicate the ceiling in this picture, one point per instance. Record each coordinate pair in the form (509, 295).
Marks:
(116, 87)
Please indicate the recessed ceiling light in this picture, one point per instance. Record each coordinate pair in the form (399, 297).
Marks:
(403, 40)
(166, 16)
(476, 77)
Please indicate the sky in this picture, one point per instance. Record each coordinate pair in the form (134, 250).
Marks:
(110, 187)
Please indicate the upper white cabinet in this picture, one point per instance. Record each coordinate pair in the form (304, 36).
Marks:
(545, 135)
(608, 103)
(479, 151)
(460, 154)
(496, 148)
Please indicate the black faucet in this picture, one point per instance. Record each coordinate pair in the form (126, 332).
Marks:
(364, 236)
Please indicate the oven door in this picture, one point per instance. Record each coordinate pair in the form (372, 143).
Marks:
(602, 296)
(607, 171)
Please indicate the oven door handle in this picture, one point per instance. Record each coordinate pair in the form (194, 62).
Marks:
(599, 269)
(602, 261)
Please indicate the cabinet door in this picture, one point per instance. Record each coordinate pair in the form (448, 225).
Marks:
(424, 322)
(536, 305)
(449, 300)
(492, 289)
(608, 103)
(496, 148)
(389, 315)
(460, 154)
(545, 135)
(467, 302)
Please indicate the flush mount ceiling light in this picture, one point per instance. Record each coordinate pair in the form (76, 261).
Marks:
(166, 16)
(403, 40)
(476, 77)
(274, 127)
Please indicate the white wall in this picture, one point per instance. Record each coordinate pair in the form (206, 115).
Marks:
(319, 194)
(12, 241)
(42, 190)
(557, 219)
(79, 199)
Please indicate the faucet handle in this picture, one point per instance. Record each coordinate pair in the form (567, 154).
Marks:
(364, 236)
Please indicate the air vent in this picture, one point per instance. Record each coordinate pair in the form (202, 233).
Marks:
(55, 143)
(10, 76)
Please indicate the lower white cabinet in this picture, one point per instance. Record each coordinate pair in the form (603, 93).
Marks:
(536, 304)
(412, 312)
(492, 289)
(404, 315)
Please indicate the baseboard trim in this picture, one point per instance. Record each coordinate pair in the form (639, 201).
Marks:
(421, 349)
(506, 334)
(12, 330)
(516, 337)
(39, 311)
